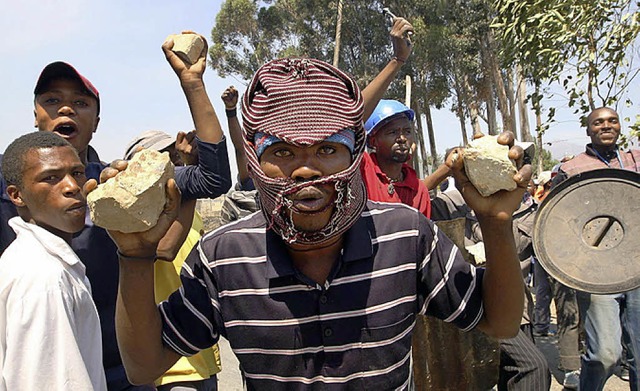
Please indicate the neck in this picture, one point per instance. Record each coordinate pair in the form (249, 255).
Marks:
(603, 149)
(316, 261)
(393, 170)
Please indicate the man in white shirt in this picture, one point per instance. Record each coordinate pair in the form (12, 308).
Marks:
(49, 328)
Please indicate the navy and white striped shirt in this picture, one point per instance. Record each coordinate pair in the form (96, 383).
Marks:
(354, 332)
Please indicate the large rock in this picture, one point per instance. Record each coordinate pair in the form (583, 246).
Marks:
(488, 166)
(133, 200)
(188, 46)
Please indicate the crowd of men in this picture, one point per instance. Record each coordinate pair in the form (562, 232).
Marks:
(327, 258)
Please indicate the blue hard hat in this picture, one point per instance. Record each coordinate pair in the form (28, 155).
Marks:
(386, 109)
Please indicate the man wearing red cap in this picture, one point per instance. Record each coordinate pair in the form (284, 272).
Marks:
(67, 104)
(321, 288)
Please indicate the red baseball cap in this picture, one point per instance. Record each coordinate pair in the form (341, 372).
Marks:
(59, 69)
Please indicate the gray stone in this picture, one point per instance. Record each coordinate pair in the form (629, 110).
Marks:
(188, 46)
(133, 200)
(488, 166)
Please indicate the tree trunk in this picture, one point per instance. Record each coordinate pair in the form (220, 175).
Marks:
(474, 111)
(538, 110)
(420, 163)
(488, 57)
(511, 98)
(432, 137)
(491, 116)
(525, 130)
(336, 49)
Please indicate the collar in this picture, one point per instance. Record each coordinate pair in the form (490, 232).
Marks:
(357, 246)
(609, 155)
(54, 245)
(408, 175)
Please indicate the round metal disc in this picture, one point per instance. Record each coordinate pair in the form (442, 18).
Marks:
(587, 231)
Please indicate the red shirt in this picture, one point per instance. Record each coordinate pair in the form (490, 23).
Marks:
(411, 191)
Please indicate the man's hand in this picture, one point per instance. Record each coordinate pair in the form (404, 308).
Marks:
(500, 205)
(186, 72)
(187, 147)
(230, 98)
(141, 244)
(400, 38)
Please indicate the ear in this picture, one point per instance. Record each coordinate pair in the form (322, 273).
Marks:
(35, 119)
(95, 129)
(15, 195)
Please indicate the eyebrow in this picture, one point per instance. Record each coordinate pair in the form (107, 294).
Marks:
(58, 169)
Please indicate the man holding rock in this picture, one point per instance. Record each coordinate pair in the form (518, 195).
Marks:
(322, 288)
(68, 104)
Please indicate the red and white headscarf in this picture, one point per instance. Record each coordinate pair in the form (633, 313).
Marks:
(303, 102)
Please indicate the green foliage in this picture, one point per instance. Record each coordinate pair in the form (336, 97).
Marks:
(586, 46)
(548, 162)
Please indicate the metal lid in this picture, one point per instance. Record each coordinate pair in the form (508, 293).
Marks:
(587, 231)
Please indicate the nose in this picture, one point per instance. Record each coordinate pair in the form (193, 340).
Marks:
(70, 186)
(66, 110)
(306, 170)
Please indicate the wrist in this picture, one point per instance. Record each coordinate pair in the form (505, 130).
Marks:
(192, 83)
(399, 60)
(231, 112)
(133, 257)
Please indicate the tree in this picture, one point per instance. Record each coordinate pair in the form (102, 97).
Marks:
(586, 46)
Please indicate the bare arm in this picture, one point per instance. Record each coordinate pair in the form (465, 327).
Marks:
(138, 323)
(230, 99)
(401, 49)
(502, 285)
(435, 178)
(206, 122)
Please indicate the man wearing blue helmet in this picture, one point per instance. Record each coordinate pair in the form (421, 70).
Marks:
(385, 171)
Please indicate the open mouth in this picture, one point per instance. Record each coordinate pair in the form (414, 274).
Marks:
(66, 130)
(309, 200)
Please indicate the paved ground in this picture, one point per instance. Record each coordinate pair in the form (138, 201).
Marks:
(548, 346)
(229, 379)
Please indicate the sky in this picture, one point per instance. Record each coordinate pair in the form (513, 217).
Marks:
(116, 45)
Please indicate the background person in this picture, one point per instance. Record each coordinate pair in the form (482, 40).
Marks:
(606, 317)
(49, 327)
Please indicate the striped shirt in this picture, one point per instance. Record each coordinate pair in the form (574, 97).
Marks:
(352, 332)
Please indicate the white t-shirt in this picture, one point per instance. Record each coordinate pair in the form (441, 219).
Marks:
(49, 327)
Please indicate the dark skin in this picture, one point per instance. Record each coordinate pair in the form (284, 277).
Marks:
(230, 99)
(67, 109)
(50, 194)
(392, 142)
(139, 325)
(603, 127)
(314, 205)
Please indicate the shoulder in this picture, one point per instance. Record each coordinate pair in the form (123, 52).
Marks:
(26, 264)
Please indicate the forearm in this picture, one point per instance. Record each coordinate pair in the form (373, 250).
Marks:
(138, 324)
(434, 179)
(205, 120)
(235, 133)
(502, 286)
(378, 86)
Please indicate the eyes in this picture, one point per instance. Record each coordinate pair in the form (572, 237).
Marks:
(77, 102)
(78, 175)
(600, 121)
(285, 151)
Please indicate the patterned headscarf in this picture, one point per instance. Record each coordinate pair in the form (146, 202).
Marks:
(303, 102)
